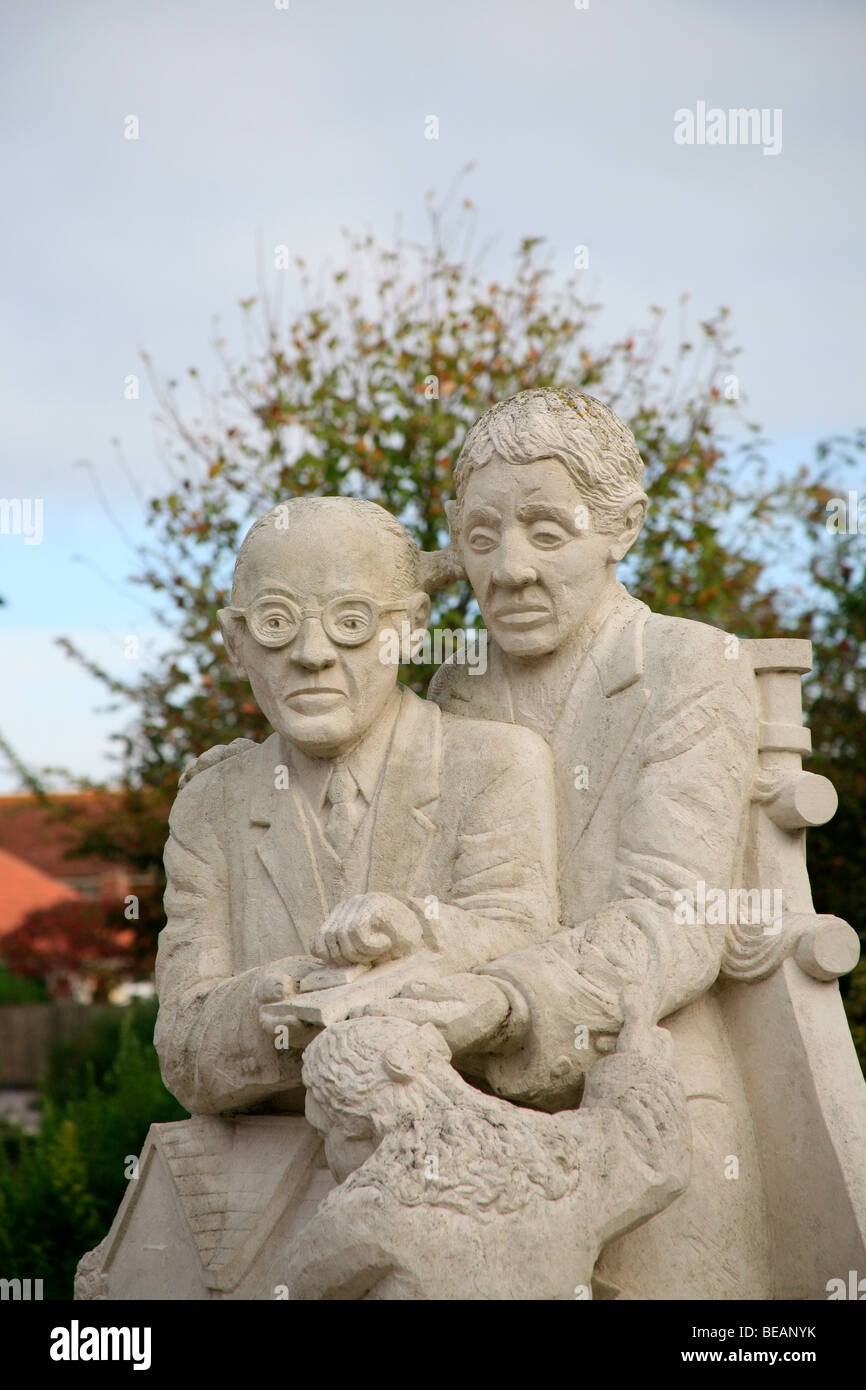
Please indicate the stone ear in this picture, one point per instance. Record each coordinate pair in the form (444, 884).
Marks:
(401, 1061)
(635, 513)
(229, 630)
(398, 1064)
(420, 615)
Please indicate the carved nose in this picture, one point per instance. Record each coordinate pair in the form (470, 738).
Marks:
(312, 647)
(512, 566)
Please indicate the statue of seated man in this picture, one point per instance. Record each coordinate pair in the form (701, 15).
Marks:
(369, 828)
(447, 1192)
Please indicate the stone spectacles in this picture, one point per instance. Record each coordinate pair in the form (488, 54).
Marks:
(349, 619)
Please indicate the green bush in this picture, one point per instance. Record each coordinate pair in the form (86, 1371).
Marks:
(60, 1189)
(89, 1058)
(21, 989)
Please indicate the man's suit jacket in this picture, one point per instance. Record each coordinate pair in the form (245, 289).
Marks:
(464, 814)
(654, 750)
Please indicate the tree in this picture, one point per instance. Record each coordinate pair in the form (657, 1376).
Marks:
(73, 943)
(60, 1188)
(836, 712)
(368, 390)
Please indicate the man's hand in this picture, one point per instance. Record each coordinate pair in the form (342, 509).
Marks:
(469, 1010)
(277, 982)
(369, 928)
(280, 979)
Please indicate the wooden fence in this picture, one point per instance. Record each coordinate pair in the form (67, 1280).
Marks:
(29, 1032)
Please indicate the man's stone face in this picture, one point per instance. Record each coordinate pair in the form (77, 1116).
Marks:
(318, 694)
(535, 566)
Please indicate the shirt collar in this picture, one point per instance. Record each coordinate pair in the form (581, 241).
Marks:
(365, 762)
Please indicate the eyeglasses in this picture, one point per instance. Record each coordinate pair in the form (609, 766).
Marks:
(349, 620)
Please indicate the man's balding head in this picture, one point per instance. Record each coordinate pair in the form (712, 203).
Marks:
(363, 539)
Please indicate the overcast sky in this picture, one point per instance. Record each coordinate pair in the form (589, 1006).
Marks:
(292, 123)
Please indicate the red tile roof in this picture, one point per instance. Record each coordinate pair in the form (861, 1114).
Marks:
(23, 889)
(29, 831)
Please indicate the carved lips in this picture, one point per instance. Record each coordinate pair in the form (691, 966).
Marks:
(314, 699)
(519, 617)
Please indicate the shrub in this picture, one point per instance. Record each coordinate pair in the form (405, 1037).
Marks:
(60, 1189)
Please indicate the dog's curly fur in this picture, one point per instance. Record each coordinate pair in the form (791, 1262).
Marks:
(441, 1142)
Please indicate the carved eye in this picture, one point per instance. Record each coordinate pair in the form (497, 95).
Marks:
(273, 621)
(482, 541)
(352, 622)
(548, 537)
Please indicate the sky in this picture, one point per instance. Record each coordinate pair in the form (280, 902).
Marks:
(287, 124)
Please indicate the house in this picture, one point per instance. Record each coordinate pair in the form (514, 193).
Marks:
(31, 831)
(25, 889)
(87, 897)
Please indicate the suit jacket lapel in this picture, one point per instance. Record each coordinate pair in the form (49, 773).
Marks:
(284, 846)
(597, 721)
(404, 828)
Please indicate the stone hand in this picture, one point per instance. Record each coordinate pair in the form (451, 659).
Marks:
(274, 985)
(638, 1032)
(469, 1010)
(369, 928)
(279, 980)
(627, 964)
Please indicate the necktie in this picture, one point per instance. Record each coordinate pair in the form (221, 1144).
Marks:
(345, 811)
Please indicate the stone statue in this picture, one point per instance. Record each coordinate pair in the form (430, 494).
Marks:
(401, 907)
